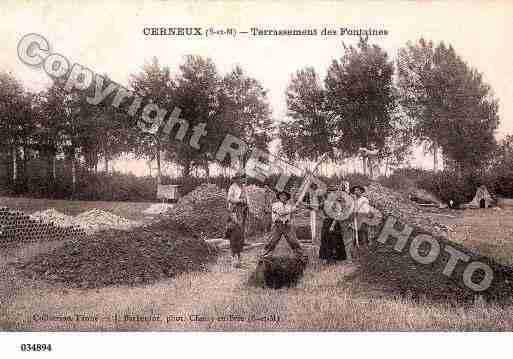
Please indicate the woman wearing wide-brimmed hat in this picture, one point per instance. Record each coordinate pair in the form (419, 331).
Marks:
(332, 247)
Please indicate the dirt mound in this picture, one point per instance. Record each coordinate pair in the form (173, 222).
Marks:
(259, 204)
(259, 201)
(91, 221)
(277, 272)
(421, 196)
(203, 210)
(158, 208)
(96, 219)
(16, 226)
(397, 272)
(143, 255)
(51, 215)
(395, 204)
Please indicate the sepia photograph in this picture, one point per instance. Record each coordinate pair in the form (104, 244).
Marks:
(224, 166)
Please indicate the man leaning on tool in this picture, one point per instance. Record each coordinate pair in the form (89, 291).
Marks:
(237, 202)
(282, 226)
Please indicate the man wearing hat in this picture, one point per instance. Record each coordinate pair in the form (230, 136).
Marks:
(237, 202)
(282, 225)
(361, 210)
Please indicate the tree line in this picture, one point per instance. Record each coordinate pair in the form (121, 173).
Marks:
(428, 95)
(58, 123)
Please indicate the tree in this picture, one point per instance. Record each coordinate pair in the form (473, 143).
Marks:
(110, 133)
(398, 148)
(153, 83)
(451, 106)
(16, 120)
(245, 109)
(197, 94)
(311, 131)
(67, 126)
(360, 93)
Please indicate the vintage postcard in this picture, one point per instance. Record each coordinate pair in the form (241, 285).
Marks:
(256, 166)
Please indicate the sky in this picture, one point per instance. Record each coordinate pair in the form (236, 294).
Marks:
(107, 37)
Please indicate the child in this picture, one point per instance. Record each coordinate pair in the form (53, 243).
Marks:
(234, 235)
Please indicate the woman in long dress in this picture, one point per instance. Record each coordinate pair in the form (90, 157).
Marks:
(332, 248)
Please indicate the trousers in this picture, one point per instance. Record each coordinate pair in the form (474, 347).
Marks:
(286, 230)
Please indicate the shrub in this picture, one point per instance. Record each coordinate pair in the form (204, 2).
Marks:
(449, 185)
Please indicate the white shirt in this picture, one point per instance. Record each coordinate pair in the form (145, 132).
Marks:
(234, 193)
(361, 205)
(278, 208)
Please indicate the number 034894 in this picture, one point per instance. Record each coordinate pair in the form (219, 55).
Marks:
(36, 347)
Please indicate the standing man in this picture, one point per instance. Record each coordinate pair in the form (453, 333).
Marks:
(237, 202)
(282, 226)
(361, 210)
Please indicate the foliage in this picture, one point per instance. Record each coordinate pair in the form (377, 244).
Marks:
(311, 131)
(360, 92)
(448, 101)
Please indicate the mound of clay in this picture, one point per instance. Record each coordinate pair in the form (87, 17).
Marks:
(395, 204)
(51, 215)
(259, 201)
(278, 272)
(158, 208)
(96, 219)
(203, 210)
(114, 257)
(397, 272)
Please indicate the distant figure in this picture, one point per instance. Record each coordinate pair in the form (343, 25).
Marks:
(368, 156)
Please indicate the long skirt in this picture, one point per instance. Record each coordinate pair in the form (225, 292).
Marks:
(332, 242)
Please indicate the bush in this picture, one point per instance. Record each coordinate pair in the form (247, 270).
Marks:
(450, 185)
(117, 187)
(397, 182)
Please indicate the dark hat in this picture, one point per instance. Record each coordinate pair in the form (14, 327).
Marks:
(333, 187)
(357, 186)
(282, 192)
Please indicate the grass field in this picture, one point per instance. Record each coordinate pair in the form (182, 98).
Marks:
(327, 298)
(488, 231)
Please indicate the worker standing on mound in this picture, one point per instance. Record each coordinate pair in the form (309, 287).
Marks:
(282, 226)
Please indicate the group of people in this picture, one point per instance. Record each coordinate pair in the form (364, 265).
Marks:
(335, 234)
